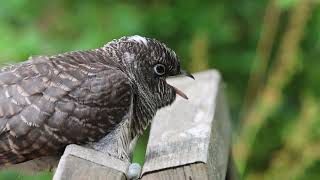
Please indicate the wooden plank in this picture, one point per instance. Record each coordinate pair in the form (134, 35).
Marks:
(82, 169)
(191, 137)
(80, 162)
(196, 171)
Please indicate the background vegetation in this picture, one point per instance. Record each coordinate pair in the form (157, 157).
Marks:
(267, 51)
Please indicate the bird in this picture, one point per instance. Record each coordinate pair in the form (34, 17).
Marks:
(81, 97)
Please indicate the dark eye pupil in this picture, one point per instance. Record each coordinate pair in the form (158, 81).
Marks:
(160, 69)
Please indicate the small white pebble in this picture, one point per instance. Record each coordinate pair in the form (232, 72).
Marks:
(134, 171)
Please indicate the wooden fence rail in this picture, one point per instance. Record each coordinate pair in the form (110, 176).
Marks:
(190, 140)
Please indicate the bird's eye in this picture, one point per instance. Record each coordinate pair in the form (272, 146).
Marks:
(159, 69)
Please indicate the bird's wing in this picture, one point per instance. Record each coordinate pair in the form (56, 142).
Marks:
(103, 102)
(40, 111)
(21, 89)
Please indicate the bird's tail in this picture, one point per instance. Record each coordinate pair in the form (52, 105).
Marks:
(7, 154)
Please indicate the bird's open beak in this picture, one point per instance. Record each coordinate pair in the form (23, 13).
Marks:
(185, 73)
(179, 92)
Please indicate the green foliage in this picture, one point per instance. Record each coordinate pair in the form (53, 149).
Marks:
(11, 175)
(286, 4)
(221, 34)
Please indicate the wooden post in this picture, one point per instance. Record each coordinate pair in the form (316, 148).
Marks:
(82, 163)
(191, 139)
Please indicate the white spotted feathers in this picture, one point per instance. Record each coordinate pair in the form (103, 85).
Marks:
(138, 39)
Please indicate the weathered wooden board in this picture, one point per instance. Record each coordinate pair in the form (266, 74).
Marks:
(196, 171)
(76, 168)
(193, 135)
(80, 162)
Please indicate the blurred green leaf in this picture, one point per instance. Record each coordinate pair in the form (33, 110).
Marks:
(286, 4)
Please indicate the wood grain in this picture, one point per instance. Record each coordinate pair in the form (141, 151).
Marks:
(194, 133)
(81, 169)
(80, 162)
(196, 171)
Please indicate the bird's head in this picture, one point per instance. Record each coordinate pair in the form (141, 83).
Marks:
(148, 64)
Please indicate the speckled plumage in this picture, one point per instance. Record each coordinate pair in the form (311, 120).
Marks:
(79, 97)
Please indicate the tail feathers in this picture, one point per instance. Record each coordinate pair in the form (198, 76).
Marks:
(7, 154)
(9, 158)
